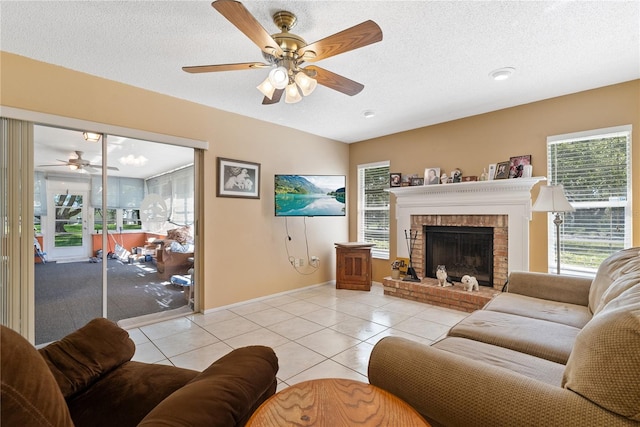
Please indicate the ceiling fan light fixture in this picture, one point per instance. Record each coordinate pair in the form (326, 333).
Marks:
(73, 167)
(306, 83)
(267, 88)
(279, 77)
(292, 95)
(91, 136)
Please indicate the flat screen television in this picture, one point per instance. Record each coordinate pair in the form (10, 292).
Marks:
(310, 195)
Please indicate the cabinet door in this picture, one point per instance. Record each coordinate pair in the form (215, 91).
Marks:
(354, 267)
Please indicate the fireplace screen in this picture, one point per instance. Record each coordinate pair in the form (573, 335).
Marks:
(462, 250)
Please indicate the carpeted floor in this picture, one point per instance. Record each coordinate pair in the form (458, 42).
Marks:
(69, 295)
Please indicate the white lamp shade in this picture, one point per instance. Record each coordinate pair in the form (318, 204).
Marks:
(279, 77)
(552, 199)
(267, 88)
(292, 95)
(306, 83)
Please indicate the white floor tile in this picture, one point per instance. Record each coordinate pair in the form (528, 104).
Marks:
(294, 358)
(184, 342)
(296, 328)
(167, 328)
(359, 328)
(422, 328)
(356, 358)
(328, 342)
(327, 369)
(260, 336)
(232, 328)
(148, 353)
(269, 316)
(201, 358)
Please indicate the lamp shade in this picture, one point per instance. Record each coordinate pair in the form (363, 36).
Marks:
(267, 88)
(306, 83)
(279, 77)
(292, 95)
(552, 199)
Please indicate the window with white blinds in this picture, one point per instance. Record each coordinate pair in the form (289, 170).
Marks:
(595, 169)
(373, 207)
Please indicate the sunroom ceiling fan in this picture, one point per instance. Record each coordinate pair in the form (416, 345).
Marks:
(286, 52)
(79, 163)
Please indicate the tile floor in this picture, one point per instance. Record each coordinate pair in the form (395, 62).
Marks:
(317, 332)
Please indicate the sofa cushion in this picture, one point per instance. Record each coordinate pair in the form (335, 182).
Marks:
(124, 396)
(553, 311)
(82, 357)
(525, 364)
(603, 366)
(620, 285)
(540, 338)
(30, 395)
(223, 395)
(610, 269)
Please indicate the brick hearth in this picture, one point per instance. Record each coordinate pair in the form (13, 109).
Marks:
(428, 291)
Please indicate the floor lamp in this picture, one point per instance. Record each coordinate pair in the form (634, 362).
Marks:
(552, 199)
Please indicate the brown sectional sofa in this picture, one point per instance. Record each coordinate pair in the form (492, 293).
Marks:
(88, 379)
(551, 351)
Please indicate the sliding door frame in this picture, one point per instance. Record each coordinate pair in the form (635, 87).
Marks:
(19, 314)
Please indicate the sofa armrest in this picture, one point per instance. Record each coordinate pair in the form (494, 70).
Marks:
(223, 395)
(82, 357)
(567, 289)
(453, 390)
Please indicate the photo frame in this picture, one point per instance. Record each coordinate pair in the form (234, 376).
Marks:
(502, 170)
(519, 166)
(431, 176)
(395, 179)
(417, 181)
(492, 171)
(238, 178)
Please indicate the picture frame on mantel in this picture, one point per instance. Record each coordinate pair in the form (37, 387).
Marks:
(395, 179)
(492, 171)
(502, 170)
(238, 178)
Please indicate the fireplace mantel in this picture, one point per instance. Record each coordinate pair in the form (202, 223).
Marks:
(511, 197)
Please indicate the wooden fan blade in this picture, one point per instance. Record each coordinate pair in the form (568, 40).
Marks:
(224, 67)
(352, 38)
(336, 81)
(239, 16)
(277, 95)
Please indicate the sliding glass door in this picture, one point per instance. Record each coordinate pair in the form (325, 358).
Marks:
(107, 214)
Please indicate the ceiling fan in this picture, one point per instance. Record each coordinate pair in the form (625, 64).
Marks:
(79, 163)
(286, 52)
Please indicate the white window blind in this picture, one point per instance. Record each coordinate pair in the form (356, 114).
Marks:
(373, 207)
(595, 169)
(177, 190)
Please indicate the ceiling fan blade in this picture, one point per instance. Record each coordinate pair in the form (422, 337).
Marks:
(225, 67)
(277, 95)
(336, 81)
(42, 166)
(352, 38)
(113, 168)
(239, 16)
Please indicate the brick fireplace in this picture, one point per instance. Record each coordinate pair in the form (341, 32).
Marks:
(503, 205)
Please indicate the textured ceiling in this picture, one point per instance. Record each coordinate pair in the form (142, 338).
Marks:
(431, 66)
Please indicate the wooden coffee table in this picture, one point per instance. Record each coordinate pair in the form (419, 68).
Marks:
(335, 402)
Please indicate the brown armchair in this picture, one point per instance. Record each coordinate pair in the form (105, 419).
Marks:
(88, 379)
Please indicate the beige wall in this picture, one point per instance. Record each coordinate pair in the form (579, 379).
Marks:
(244, 244)
(473, 143)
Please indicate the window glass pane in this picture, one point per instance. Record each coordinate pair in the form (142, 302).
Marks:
(111, 215)
(594, 170)
(373, 207)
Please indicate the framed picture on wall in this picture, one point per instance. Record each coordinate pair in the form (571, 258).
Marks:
(238, 178)
(395, 179)
(502, 170)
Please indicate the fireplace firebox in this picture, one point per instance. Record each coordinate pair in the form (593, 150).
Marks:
(462, 250)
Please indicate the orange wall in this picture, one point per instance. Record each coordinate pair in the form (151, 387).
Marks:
(473, 143)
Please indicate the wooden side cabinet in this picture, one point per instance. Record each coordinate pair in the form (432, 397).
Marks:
(353, 269)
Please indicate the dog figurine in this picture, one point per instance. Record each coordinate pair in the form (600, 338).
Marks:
(441, 275)
(470, 283)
